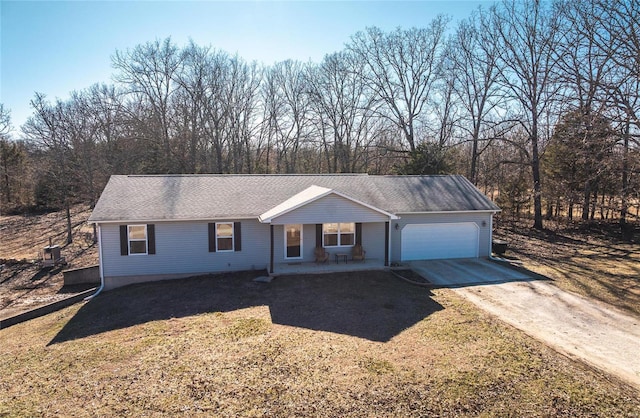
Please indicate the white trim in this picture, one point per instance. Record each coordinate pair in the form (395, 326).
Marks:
(301, 242)
(308, 195)
(146, 240)
(449, 211)
(233, 237)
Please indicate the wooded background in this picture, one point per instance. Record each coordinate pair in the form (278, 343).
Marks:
(537, 103)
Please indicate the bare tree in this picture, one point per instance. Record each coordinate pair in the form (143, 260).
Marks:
(12, 156)
(217, 76)
(474, 53)
(582, 67)
(288, 120)
(401, 68)
(113, 131)
(46, 131)
(241, 99)
(528, 35)
(190, 102)
(148, 71)
(5, 122)
(345, 109)
(617, 36)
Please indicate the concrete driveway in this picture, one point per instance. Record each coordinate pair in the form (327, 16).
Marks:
(465, 272)
(594, 332)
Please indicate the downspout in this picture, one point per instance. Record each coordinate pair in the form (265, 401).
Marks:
(101, 269)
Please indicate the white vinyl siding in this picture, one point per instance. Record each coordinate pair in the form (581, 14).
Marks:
(183, 247)
(330, 209)
(372, 242)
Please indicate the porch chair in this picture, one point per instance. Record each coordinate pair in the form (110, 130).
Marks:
(321, 255)
(358, 253)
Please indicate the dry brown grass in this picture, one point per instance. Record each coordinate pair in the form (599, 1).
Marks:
(365, 344)
(24, 236)
(23, 285)
(594, 263)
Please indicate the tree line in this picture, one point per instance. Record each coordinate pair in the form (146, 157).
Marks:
(537, 103)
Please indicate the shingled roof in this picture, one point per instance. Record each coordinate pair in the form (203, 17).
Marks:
(203, 197)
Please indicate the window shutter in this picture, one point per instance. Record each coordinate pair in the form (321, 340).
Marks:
(124, 240)
(212, 237)
(386, 244)
(237, 237)
(358, 233)
(318, 235)
(151, 239)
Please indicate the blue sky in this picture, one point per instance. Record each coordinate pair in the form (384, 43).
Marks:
(55, 47)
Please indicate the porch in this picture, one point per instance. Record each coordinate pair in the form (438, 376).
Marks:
(329, 267)
(318, 217)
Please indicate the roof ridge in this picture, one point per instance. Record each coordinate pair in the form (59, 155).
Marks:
(253, 175)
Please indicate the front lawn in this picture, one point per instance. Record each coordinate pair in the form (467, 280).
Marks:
(358, 344)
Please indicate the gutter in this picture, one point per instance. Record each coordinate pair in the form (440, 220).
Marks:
(99, 264)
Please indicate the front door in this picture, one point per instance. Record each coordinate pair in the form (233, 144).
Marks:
(293, 241)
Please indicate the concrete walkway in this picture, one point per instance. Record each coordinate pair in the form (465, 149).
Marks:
(593, 332)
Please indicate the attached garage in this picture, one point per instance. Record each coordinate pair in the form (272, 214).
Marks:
(440, 240)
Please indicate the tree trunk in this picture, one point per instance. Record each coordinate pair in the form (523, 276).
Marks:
(586, 200)
(625, 179)
(5, 164)
(474, 160)
(69, 230)
(535, 168)
(594, 203)
(570, 210)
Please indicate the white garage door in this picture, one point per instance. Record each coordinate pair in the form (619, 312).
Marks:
(433, 241)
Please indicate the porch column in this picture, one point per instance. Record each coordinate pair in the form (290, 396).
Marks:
(271, 257)
(386, 244)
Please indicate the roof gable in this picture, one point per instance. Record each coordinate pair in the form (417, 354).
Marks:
(306, 196)
(310, 195)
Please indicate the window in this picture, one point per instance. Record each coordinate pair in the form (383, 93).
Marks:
(339, 234)
(137, 239)
(224, 236)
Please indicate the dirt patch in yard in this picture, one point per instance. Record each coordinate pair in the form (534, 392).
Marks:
(591, 261)
(336, 305)
(23, 284)
(358, 344)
